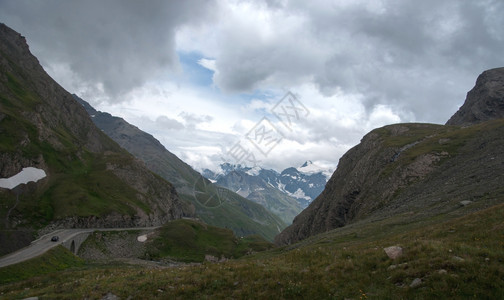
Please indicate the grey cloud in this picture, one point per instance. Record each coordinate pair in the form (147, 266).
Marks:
(168, 124)
(112, 46)
(192, 120)
(418, 56)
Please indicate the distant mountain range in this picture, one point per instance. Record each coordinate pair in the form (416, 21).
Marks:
(99, 171)
(212, 204)
(286, 193)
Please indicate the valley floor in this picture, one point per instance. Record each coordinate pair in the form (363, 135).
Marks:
(444, 257)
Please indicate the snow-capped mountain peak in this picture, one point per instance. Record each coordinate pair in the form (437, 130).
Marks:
(307, 163)
(304, 183)
(309, 168)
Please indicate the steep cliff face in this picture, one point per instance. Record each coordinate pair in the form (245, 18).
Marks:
(422, 169)
(484, 102)
(90, 180)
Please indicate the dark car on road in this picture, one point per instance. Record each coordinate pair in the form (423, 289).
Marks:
(55, 238)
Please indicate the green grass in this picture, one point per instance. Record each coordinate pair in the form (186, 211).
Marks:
(78, 182)
(440, 140)
(344, 263)
(190, 241)
(429, 136)
(56, 259)
(80, 188)
(244, 217)
(27, 98)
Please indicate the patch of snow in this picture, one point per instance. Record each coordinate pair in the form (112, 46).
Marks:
(244, 193)
(299, 194)
(254, 171)
(310, 168)
(259, 189)
(310, 185)
(281, 187)
(25, 176)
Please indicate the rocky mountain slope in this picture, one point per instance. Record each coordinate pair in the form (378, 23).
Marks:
(230, 210)
(91, 181)
(417, 169)
(254, 188)
(304, 183)
(484, 102)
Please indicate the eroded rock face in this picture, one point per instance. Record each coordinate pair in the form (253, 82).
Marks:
(484, 102)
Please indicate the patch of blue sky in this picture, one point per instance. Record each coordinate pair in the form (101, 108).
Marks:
(200, 78)
(193, 72)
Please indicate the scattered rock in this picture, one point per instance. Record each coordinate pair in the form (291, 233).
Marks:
(393, 252)
(402, 266)
(415, 283)
(487, 259)
(442, 271)
(142, 238)
(211, 258)
(465, 202)
(110, 296)
(458, 258)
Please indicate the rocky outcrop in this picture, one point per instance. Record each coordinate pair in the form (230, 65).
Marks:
(484, 102)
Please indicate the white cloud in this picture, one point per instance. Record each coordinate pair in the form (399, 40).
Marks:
(208, 63)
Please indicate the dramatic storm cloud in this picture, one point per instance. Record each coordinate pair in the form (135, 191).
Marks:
(105, 46)
(200, 75)
(408, 54)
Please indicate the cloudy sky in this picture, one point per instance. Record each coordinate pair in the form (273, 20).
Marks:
(272, 83)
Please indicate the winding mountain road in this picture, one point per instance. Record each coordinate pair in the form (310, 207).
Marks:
(44, 243)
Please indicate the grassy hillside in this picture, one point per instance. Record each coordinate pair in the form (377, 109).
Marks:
(455, 257)
(91, 180)
(242, 216)
(52, 261)
(256, 189)
(422, 169)
(190, 241)
(78, 181)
